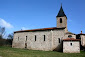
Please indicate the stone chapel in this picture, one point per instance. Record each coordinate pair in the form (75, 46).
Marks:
(50, 39)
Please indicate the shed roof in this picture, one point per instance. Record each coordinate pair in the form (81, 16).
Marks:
(71, 39)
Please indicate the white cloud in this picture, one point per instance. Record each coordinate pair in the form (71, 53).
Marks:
(23, 28)
(5, 24)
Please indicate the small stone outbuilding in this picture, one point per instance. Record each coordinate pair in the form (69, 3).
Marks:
(71, 45)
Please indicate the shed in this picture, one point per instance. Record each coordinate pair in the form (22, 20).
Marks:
(71, 45)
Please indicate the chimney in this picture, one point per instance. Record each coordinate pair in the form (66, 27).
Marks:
(81, 32)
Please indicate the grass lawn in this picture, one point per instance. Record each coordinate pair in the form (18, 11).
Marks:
(14, 52)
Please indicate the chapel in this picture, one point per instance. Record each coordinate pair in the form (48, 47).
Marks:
(50, 39)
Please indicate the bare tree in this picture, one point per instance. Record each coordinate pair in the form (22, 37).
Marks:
(2, 32)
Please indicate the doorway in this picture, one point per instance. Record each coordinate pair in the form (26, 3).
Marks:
(26, 45)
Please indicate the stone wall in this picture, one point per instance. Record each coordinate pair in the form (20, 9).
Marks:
(50, 43)
(68, 48)
(63, 24)
(73, 36)
(59, 34)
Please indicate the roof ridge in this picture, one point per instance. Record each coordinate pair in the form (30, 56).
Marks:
(39, 29)
(71, 39)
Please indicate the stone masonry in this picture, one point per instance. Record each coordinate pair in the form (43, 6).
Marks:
(71, 47)
(50, 43)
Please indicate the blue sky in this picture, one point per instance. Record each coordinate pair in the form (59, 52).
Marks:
(32, 14)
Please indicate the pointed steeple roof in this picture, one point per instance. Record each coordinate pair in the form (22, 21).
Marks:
(61, 12)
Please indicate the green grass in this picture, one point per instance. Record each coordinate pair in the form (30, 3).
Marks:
(14, 52)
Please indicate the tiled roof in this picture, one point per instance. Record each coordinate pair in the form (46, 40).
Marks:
(42, 29)
(81, 34)
(71, 39)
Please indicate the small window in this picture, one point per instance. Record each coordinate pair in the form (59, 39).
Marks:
(44, 37)
(35, 37)
(71, 44)
(60, 20)
(26, 38)
(18, 38)
(70, 36)
(59, 40)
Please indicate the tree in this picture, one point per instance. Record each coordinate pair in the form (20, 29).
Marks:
(10, 36)
(9, 39)
(2, 32)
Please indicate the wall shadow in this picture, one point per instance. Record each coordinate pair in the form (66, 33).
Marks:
(59, 48)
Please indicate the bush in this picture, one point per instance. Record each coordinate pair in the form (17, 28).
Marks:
(2, 42)
(5, 42)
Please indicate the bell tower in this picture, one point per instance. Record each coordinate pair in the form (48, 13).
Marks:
(61, 19)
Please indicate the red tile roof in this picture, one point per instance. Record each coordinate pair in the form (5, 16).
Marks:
(71, 39)
(39, 29)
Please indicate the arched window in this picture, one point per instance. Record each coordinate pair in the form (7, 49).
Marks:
(59, 40)
(71, 44)
(35, 37)
(44, 37)
(26, 38)
(18, 38)
(69, 36)
(60, 20)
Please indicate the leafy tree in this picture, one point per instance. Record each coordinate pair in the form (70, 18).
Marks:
(9, 39)
(10, 36)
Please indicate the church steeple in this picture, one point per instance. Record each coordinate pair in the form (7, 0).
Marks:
(61, 12)
(61, 19)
